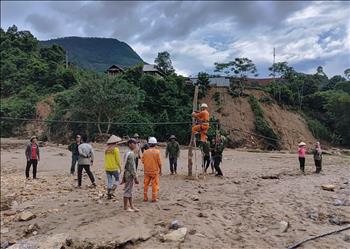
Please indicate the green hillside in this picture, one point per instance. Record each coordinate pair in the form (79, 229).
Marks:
(97, 53)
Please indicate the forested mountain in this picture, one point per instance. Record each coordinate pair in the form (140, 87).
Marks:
(96, 53)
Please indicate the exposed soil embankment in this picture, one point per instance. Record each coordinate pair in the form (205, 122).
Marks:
(236, 113)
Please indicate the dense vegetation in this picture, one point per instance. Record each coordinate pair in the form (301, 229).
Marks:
(323, 101)
(96, 53)
(30, 72)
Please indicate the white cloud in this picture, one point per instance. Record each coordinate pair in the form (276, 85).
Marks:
(197, 34)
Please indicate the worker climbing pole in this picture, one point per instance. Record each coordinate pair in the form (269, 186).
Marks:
(200, 124)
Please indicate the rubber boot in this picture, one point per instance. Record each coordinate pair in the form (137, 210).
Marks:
(109, 195)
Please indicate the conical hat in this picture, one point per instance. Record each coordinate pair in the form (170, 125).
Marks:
(301, 144)
(114, 139)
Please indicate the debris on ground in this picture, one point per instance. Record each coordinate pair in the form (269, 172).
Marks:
(202, 215)
(32, 229)
(174, 225)
(195, 198)
(341, 202)
(337, 220)
(270, 177)
(176, 235)
(284, 225)
(328, 187)
(26, 215)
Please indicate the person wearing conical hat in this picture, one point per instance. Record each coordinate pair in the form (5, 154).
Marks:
(301, 155)
(202, 119)
(173, 151)
(112, 164)
(137, 150)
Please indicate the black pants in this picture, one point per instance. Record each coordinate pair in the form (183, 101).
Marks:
(217, 161)
(29, 164)
(302, 163)
(136, 162)
(87, 170)
(173, 164)
(206, 162)
(318, 164)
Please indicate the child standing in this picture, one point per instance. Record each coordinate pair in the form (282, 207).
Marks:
(130, 176)
(112, 164)
(301, 154)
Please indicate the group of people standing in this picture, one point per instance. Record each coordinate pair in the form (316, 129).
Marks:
(317, 154)
(83, 155)
(212, 154)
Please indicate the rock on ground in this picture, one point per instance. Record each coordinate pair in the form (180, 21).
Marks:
(46, 242)
(26, 215)
(177, 235)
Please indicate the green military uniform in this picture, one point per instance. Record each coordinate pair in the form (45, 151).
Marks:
(173, 151)
(216, 152)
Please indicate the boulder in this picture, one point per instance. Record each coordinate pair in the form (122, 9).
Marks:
(284, 226)
(56, 241)
(176, 235)
(9, 213)
(328, 187)
(195, 198)
(26, 215)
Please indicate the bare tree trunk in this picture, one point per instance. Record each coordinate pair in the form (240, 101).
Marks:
(190, 147)
(109, 125)
(99, 124)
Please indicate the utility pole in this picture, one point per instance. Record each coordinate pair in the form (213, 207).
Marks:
(192, 142)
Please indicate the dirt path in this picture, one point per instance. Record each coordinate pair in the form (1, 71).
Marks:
(241, 210)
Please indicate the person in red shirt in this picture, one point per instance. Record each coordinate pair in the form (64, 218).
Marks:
(33, 156)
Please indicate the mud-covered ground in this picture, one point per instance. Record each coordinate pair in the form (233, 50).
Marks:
(240, 210)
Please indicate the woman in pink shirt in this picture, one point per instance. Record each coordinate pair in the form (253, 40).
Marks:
(301, 154)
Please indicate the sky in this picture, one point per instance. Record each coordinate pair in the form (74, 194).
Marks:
(198, 34)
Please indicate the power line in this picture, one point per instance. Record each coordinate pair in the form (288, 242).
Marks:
(257, 135)
(91, 122)
(127, 123)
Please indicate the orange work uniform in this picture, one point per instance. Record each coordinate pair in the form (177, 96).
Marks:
(203, 126)
(152, 166)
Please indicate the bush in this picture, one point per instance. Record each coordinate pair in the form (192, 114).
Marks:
(266, 99)
(233, 93)
(216, 97)
(318, 130)
(261, 125)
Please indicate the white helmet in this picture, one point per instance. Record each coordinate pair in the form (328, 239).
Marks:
(152, 140)
(204, 105)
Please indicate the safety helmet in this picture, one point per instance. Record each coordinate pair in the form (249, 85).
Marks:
(204, 105)
(152, 140)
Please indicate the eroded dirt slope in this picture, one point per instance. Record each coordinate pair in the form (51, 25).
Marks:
(236, 113)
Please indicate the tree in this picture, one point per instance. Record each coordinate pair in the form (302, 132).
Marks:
(106, 100)
(282, 70)
(319, 71)
(203, 82)
(333, 81)
(164, 62)
(241, 67)
(347, 73)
